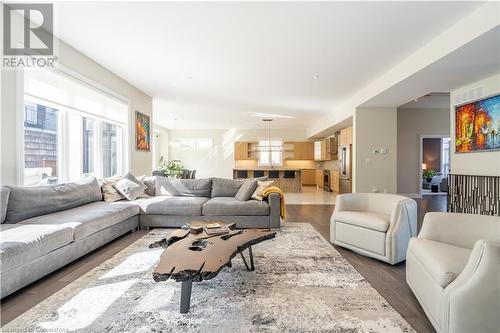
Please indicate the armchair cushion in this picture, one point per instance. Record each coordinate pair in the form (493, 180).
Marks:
(442, 261)
(373, 221)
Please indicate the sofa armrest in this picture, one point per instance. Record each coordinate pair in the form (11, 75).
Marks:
(472, 301)
(402, 227)
(460, 229)
(274, 201)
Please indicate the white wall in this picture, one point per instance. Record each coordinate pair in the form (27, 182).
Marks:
(477, 163)
(12, 106)
(412, 123)
(219, 161)
(375, 128)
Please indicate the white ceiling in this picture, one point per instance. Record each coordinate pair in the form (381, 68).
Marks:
(472, 62)
(211, 65)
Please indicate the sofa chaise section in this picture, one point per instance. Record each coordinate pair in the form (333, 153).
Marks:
(48, 238)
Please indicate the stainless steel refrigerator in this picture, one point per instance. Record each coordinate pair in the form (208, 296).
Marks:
(345, 179)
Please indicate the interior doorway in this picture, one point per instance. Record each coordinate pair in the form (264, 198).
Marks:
(434, 168)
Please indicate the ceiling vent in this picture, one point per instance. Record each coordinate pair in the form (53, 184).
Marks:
(469, 95)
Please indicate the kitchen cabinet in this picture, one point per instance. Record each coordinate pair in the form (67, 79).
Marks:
(325, 150)
(334, 181)
(345, 137)
(241, 151)
(245, 151)
(319, 178)
(308, 177)
(303, 150)
(331, 149)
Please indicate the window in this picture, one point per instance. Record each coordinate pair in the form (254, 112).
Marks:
(31, 114)
(88, 145)
(271, 152)
(110, 149)
(40, 144)
(194, 143)
(71, 130)
(445, 156)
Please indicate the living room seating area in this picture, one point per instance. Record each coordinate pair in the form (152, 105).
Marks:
(66, 221)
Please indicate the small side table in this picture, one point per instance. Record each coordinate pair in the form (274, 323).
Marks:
(434, 188)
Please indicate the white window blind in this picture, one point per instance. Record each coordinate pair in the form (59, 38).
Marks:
(57, 87)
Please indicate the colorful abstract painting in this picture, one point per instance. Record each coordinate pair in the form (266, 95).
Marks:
(142, 132)
(477, 125)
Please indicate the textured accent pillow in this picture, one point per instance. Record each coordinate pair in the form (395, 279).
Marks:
(184, 187)
(133, 178)
(246, 190)
(109, 193)
(4, 200)
(26, 202)
(129, 189)
(261, 186)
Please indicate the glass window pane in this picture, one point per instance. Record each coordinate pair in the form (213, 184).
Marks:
(88, 148)
(109, 149)
(40, 144)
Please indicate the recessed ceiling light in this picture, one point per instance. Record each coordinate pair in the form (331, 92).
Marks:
(315, 76)
(415, 100)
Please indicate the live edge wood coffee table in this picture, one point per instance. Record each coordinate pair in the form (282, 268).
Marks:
(192, 257)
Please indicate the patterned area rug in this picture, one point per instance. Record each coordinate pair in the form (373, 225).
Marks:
(300, 284)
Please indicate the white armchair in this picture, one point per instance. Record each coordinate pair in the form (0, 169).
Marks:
(377, 225)
(453, 268)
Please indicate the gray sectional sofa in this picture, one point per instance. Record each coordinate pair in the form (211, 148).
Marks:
(44, 228)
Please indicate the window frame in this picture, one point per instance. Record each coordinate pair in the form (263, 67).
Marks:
(63, 148)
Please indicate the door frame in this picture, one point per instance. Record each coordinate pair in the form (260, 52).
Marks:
(421, 151)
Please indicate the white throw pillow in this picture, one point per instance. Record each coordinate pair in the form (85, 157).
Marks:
(141, 191)
(129, 189)
(261, 186)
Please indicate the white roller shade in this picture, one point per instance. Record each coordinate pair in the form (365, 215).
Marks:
(57, 87)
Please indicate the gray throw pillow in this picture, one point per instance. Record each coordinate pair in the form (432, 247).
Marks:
(246, 190)
(129, 189)
(225, 187)
(4, 200)
(150, 183)
(183, 187)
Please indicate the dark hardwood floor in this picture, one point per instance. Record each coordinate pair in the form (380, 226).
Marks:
(388, 280)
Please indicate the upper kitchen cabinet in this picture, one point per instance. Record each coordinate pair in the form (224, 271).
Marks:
(326, 149)
(345, 137)
(243, 151)
(303, 150)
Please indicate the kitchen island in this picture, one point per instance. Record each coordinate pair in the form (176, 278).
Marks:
(288, 180)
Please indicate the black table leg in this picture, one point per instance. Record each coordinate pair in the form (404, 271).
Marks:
(252, 267)
(186, 295)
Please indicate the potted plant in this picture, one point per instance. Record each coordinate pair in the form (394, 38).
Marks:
(171, 167)
(428, 174)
